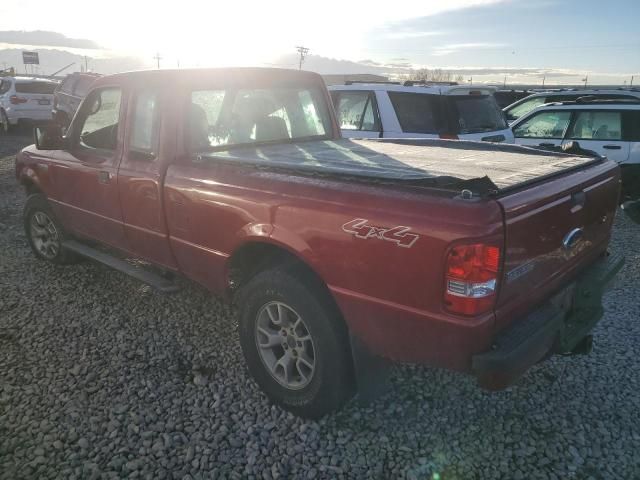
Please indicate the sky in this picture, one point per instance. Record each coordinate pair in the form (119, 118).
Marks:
(488, 38)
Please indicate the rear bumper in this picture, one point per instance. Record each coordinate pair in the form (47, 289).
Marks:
(29, 116)
(555, 327)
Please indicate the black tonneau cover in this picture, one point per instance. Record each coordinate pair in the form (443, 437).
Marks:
(481, 167)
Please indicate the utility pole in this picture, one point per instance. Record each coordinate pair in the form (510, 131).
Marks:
(86, 64)
(504, 85)
(586, 77)
(631, 84)
(544, 77)
(303, 51)
(157, 58)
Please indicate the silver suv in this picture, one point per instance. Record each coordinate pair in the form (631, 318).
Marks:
(25, 100)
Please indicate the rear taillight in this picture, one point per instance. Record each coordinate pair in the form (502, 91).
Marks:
(448, 136)
(16, 100)
(471, 273)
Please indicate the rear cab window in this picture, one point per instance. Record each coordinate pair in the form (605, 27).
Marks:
(418, 112)
(222, 118)
(42, 88)
(476, 113)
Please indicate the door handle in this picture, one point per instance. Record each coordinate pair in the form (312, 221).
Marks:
(612, 147)
(104, 177)
(546, 145)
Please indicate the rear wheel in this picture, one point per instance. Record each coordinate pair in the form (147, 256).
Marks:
(45, 232)
(295, 343)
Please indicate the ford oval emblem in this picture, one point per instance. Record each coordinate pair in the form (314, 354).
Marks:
(572, 238)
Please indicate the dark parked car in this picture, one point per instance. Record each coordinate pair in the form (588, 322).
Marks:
(505, 97)
(69, 94)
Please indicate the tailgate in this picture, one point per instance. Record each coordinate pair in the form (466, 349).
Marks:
(552, 230)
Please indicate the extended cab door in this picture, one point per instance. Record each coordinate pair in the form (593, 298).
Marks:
(357, 113)
(140, 177)
(600, 131)
(546, 128)
(85, 181)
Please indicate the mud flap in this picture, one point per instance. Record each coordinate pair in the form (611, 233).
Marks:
(372, 373)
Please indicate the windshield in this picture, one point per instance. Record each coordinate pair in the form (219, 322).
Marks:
(477, 113)
(523, 108)
(36, 87)
(222, 118)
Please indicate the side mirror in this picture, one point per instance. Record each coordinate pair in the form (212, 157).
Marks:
(49, 138)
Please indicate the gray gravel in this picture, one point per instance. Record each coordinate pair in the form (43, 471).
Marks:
(102, 378)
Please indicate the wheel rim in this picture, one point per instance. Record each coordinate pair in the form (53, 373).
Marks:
(285, 345)
(44, 235)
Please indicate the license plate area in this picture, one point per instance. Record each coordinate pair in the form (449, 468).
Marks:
(44, 102)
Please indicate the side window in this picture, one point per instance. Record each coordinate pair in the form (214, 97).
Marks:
(544, 125)
(631, 126)
(82, 85)
(356, 111)
(596, 125)
(144, 124)
(101, 112)
(418, 112)
(67, 85)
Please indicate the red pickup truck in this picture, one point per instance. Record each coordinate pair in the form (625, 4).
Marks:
(475, 257)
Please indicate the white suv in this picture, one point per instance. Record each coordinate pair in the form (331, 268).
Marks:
(387, 110)
(525, 105)
(610, 128)
(25, 100)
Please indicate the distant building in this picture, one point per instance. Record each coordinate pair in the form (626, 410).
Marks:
(341, 79)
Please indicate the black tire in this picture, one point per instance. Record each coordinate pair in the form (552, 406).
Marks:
(5, 126)
(331, 383)
(36, 206)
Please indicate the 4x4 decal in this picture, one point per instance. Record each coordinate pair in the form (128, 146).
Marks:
(399, 235)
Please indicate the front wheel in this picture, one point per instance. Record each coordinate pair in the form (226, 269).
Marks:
(45, 232)
(5, 126)
(295, 343)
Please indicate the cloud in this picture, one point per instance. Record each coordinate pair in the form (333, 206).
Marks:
(369, 62)
(456, 47)
(44, 38)
(413, 34)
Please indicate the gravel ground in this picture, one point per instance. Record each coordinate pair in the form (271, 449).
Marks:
(102, 378)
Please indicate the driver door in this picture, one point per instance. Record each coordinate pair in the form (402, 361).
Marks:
(87, 180)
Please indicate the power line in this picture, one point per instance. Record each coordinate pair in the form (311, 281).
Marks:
(303, 51)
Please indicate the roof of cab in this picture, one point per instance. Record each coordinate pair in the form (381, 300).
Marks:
(197, 74)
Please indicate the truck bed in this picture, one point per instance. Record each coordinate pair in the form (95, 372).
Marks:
(483, 167)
